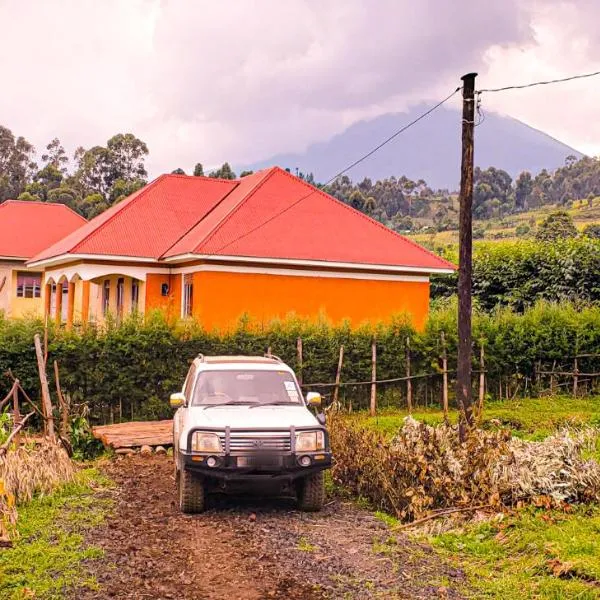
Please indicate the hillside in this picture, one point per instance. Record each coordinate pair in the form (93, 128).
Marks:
(430, 150)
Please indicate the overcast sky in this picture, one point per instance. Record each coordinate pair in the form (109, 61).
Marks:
(241, 80)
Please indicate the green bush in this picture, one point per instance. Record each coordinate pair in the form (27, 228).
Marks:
(128, 371)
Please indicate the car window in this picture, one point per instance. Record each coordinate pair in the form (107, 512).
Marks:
(248, 387)
(189, 383)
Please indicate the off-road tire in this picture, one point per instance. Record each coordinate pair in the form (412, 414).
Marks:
(190, 490)
(311, 492)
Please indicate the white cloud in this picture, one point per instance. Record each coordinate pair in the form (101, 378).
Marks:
(241, 80)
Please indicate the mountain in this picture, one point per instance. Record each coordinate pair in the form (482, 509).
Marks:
(430, 150)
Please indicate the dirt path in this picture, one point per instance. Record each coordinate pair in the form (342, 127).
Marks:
(249, 549)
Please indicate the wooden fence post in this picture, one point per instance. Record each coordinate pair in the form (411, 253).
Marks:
(575, 377)
(552, 378)
(373, 378)
(46, 401)
(481, 381)
(408, 380)
(338, 375)
(444, 379)
(299, 350)
(16, 411)
(64, 408)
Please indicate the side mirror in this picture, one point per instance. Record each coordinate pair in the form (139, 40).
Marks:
(176, 400)
(313, 399)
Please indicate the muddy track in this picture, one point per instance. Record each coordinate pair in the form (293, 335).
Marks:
(250, 549)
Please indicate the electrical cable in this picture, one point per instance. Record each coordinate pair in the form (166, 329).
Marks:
(535, 83)
(356, 162)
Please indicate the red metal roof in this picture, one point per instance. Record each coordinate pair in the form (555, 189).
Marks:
(28, 227)
(270, 214)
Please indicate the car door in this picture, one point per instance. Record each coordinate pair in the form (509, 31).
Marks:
(179, 417)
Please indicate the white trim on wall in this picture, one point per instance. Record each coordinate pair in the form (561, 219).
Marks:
(88, 272)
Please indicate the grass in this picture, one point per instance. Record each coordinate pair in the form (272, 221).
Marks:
(46, 559)
(530, 418)
(534, 554)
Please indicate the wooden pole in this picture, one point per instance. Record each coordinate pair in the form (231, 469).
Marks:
(16, 410)
(552, 378)
(46, 401)
(64, 408)
(409, 404)
(299, 350)
(444, 379)
(338, 375)
(463, 377)
(575, 377)
(481, 381)
(373, 378)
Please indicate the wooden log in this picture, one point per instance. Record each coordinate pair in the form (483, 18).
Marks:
(481, 382)
(338, 375)
(46, 401)
(15, 432)
(575, 378)
(16, 411)
(373, 407)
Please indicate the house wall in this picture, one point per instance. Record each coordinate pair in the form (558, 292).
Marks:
(220, 298)
(9, 303)
(170, 304)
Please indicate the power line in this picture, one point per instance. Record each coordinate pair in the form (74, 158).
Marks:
(535, 83)
(356, 162)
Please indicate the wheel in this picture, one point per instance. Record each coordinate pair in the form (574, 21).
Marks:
(190, 491)
(311, 492)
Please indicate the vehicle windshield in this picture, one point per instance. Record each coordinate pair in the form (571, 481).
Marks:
(214, 388)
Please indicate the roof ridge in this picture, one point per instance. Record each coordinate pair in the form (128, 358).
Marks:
(133, 198)
(230, 214)
(237, 183)
(367, 218)
(42, 203)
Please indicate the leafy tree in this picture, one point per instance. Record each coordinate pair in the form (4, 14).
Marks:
(557, 225)
(225, 172)
(523, 189)
(522, 230)
(198, 170)
(357, 200)
(245, 173)
(16, 164)
(178, 171)
(93, 204)
(56, 156)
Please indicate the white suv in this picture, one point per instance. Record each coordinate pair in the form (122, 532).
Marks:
(242, 420)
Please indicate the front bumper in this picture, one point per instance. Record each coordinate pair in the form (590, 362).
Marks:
(257, 466)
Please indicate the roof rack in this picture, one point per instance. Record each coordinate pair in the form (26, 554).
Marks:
(274, 357)
(200, 357)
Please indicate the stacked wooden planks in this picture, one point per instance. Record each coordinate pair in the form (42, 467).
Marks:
(135, 434)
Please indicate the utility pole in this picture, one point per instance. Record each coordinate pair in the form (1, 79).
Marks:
(464, 393)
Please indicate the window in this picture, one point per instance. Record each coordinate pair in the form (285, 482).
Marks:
(135, 294)
(106, 297)
(188, 295)
(120, 295)
(29, 285)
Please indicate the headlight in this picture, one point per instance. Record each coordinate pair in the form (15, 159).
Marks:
(206, 442)
(310, 441)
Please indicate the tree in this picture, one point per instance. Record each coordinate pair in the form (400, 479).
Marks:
(16, 164)
(523, 189)
(56, 156)
(357, 200)
(557, 225)
(178, 171)
(245, 173)
(225, 172)
(198, 170)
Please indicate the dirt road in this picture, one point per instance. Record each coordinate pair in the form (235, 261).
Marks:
(249, 550)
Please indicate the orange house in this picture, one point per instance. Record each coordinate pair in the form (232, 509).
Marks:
(265, 246)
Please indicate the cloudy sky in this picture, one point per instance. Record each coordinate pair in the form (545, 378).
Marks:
(241, 80)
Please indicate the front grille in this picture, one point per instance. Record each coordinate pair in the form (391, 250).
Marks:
(239, 444)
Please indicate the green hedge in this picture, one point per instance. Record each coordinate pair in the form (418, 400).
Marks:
(133, 367)
(520, 273)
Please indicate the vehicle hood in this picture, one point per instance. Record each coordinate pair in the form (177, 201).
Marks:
(247, 417)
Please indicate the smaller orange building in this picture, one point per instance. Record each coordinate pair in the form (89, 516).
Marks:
(26, 228)
(265, 246)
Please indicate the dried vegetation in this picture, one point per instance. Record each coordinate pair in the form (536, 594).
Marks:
(27, 471)
(426, 468)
